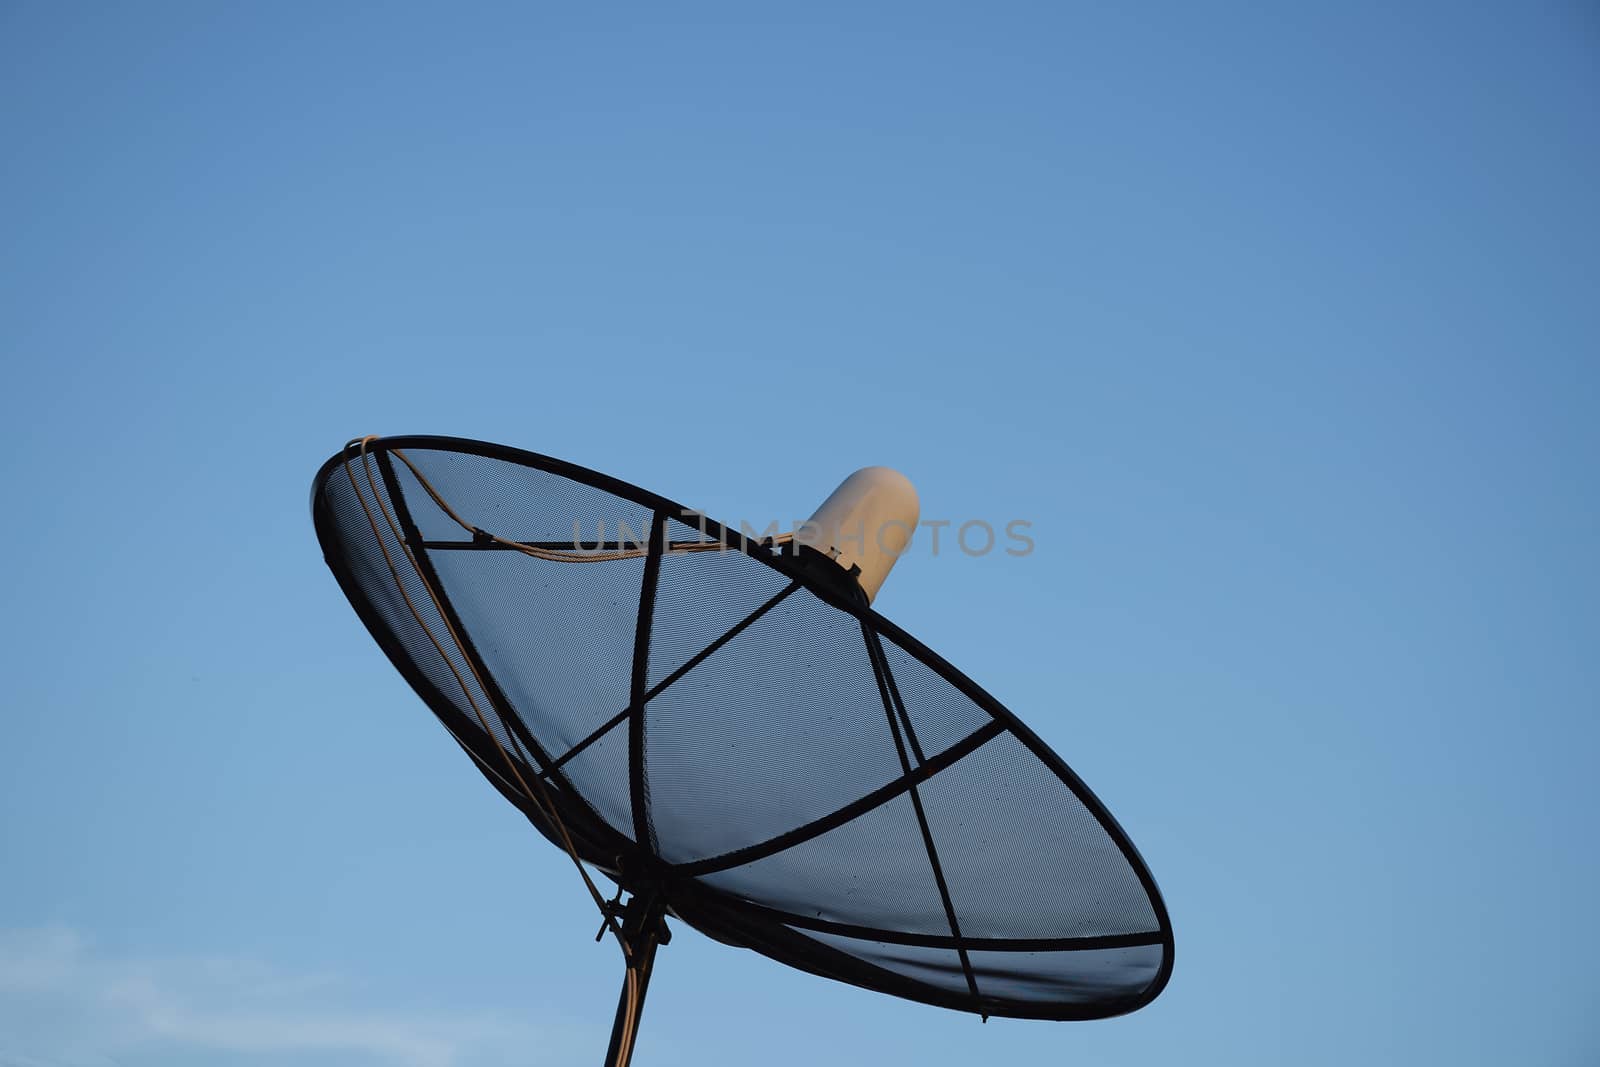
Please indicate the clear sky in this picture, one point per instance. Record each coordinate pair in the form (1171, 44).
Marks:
(1281, 328)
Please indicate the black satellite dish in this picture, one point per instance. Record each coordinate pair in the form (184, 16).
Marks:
(725, 728)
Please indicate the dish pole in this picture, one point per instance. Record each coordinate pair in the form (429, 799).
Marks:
(644, 927)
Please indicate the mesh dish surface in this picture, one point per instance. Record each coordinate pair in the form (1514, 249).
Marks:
(793, 772)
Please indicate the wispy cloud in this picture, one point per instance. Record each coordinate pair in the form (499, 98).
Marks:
(63, 1003)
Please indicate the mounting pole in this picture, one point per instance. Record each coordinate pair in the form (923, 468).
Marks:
(644, 926)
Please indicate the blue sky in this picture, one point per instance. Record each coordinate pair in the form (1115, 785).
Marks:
(1280, 327)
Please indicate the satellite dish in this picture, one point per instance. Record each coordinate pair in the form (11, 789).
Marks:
(725, 728)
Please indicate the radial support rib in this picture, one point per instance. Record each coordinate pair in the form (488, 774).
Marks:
(839, 816)
(641, 669)
(880, 669)
(688, 665)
